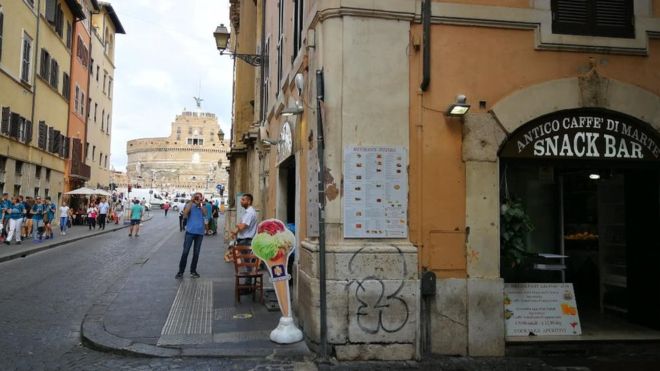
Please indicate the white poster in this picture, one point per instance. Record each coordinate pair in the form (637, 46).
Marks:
(541, 309)
(375, 192)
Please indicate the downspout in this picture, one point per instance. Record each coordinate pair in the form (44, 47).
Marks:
(34, 74)
(320, 144)
(264, 62)
(426, 47)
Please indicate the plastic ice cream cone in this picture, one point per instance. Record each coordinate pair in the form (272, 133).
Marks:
(280, 282)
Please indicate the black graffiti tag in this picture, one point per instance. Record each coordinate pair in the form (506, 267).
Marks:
(373, 308)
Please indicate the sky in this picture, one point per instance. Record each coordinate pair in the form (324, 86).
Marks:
(167, 57)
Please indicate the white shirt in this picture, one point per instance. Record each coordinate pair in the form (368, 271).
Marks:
(103, 208)
(64, 211)
(249, 219)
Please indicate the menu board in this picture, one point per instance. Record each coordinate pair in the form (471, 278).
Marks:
(312, 193)
(375, 192)
(542, 309)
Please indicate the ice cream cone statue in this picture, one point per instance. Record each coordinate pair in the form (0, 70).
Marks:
(273, 244)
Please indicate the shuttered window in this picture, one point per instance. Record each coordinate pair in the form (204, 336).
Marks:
(66, 86)
(54, 74)
(43, 135)
(2, 27)
(28, 131)
(6, 112)
(51, 140)
(608, 18)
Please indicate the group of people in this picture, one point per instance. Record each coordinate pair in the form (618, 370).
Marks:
(23, 217)
(195, 218)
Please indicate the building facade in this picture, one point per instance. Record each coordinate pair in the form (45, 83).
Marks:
(560, 95)
(105, 25)
(77, 171)
(192, 158)
(35, 63)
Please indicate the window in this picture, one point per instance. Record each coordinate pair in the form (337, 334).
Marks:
(36, 191)
(30, 3)
(102, 118)
(100, 158)
(2, 28)
(82, 53)
(76, 99)
(66, 86)
(87, 149)
(26, 58)
(54, 74)
(17, 189)
(89, 106)
(18, 168)
(264, 96)
(97, 73)
(96, 107)
(48, 175)
(609, 18)
(46, 192)
(44, 64)
(3, 164)
(105, 79)
(43, 135)
(107, 124)
(82, 104)
(69, 34)
(280, 44)
(106, 161)
(93, 152)
(298, 19)
(37, 172)
(110, 87)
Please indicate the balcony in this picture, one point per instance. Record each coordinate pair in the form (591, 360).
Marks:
(80, 170)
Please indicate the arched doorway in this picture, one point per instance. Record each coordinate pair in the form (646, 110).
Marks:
(588, 180)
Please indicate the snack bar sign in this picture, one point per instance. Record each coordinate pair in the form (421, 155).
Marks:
(588, 134)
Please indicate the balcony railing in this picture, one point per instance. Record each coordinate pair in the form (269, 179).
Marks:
(80, 170)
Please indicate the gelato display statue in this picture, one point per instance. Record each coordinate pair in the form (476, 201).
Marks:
(273, 244)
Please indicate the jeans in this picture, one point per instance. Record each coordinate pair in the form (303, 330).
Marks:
(187, 242)
(63, 223)
(101, 220)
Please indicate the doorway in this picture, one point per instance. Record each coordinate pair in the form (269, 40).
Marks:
(604, 218)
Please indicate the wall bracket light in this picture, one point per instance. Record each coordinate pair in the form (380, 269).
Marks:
(458, 108)
(222, 35)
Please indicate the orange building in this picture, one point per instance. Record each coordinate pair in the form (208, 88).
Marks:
(76, 171)
(549, 184)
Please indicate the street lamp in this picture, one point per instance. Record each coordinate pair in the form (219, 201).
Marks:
(222, 35)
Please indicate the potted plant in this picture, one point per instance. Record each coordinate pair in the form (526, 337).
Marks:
(515, 224)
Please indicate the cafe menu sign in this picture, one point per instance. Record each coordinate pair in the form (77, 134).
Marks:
(540, 309)
(376, 192)
(585, 134)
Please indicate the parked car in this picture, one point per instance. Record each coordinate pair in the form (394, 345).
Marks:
(178, 203)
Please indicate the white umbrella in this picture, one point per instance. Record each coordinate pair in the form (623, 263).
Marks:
(82, 191)
(102, 192)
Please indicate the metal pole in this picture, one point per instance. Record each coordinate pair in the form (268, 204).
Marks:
(320, 142)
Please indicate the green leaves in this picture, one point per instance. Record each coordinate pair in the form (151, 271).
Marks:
(515, 224)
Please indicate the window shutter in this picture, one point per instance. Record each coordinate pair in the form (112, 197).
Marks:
(57, 141)
(51, 140)
(4, 128)
(28, 131)
(44, 64)
(14, 122)
(51, 8)
(54, 73)
(608, 18)
(66, 86)
(43, 135)
(66, 146)
(614, 18)
(76, 150)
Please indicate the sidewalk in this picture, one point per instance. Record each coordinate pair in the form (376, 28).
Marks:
(75, 233)
(151, 313)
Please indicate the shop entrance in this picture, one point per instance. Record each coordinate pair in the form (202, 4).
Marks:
(595, 219)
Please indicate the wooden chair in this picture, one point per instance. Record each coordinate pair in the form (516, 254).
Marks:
(246, 272)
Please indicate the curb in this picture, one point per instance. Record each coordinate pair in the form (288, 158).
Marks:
(23, 254)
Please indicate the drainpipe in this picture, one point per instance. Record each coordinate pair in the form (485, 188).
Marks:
(426, 41)
(320, 143)
(264, 63)
(34, 74)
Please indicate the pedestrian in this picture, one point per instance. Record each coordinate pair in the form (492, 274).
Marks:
(64, 218)
(208, 219)
(215, 214)
(92, 212)
(166, 207)
(104, 207)
(247, 228)
(16, 214)
(37, 219)
(195, 213)
(137, 213)
(49, 216)
(5, 206)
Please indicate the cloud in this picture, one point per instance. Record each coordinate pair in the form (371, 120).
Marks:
(166, 57)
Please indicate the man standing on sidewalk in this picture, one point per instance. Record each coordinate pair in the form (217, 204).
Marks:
(195, 213)
(247, 228)
(16, 214)
(137, 212)
(103, 212)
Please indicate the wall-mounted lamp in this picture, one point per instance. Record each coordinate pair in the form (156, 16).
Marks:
(221, 36)
(459, 108)
(271, 142)
(296, 109)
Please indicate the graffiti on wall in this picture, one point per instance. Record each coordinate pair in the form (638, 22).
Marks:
(380, 305)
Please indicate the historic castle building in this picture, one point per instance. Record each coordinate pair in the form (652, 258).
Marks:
(192, 158)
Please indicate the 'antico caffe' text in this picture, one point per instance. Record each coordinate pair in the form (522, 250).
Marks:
(587, 137)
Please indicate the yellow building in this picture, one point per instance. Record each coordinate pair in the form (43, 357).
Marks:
(35, 61)
(192, 158)
(563, 127)
(105, 25)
